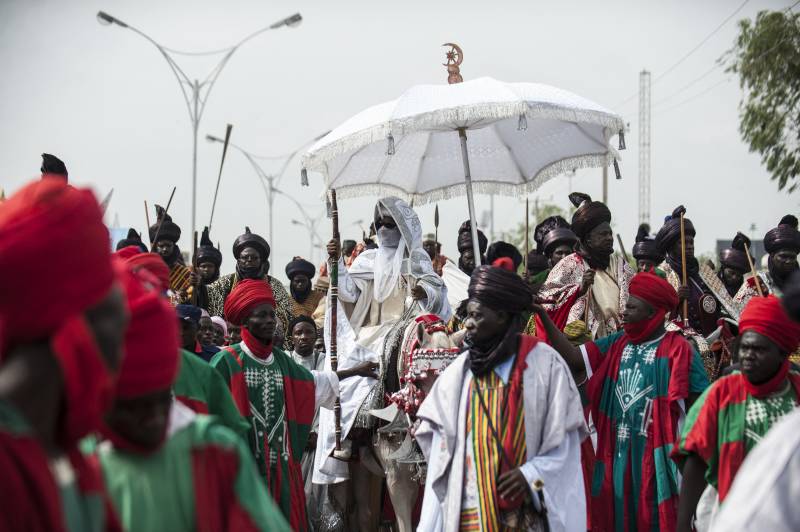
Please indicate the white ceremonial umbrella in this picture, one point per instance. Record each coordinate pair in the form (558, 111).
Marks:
(440, 141)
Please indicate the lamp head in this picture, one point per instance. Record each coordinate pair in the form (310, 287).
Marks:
(106, 20)
(292, 22)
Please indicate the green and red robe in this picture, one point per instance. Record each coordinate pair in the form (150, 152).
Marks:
(202, 478)
(728, 420)
(39, 494)
(277, 397)
(635, 394)
(202, 388)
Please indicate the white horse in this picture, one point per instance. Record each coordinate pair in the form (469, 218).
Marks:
(426, 350)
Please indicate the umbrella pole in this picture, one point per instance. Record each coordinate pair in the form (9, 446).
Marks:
(462, 133)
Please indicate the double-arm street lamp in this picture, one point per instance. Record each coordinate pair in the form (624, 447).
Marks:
(195, 92)
(268, 180)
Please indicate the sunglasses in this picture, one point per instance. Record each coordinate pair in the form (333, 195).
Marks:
(387, 225)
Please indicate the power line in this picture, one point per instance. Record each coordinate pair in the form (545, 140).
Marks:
(691, 52)
(698, 95)
(690, 84)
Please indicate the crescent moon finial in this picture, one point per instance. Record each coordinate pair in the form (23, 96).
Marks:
(455, 56)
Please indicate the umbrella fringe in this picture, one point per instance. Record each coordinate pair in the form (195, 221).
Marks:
(480, 187)
(469, 114)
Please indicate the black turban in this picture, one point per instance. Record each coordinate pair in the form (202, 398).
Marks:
(300, 265)
(785, 236)
(544, 227)
(503, 249)
(53, 165)
(791, 296)
(671, 231)
(250, 240)
(206, 252)
(735, 256)
(133, 239)
(537, 262)
(645, 246)
(589, 214)
(558, 236)
(465, 239)
(500, 290)
(169, 230)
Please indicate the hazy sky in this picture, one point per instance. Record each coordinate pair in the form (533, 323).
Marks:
(105, 101)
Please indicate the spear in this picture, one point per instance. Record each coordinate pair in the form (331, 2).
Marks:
(147, 215)
(219, 177)
(163, 217)
(683, 267)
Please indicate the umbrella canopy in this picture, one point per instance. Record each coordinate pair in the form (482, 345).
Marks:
(520, 135)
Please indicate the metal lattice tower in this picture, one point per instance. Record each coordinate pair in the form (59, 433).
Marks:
(644, 147)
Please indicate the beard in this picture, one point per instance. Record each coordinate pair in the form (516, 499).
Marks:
(300, 295)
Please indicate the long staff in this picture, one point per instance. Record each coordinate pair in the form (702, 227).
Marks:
(163, 217)
(436, 233)
(333, 305)
(196, 287)
(527, 237)
(622, 249)
(753, 271)
(683, 272)
(147, 215)
(219, 176)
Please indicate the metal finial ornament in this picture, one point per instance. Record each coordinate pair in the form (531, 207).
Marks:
(454, 58)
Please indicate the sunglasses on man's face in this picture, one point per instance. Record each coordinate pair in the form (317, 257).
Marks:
(387, 225)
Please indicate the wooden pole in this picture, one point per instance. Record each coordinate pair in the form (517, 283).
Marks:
(333, 305)
(219, 177)
(166, 210)
(683, 272)
(146, 216)
(196, 287)
(527, 237)
(753, 271)
(436, 234)
(622, 249)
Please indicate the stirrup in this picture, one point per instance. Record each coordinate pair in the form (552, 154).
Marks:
(398, 424)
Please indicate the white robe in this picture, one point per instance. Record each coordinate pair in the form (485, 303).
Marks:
(554, 428)
(361, 330)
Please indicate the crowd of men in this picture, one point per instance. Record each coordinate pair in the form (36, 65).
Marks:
(143, 390)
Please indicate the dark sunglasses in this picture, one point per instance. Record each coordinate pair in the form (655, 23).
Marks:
(387, 225)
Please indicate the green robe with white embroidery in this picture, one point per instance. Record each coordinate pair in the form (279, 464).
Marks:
(276, 396)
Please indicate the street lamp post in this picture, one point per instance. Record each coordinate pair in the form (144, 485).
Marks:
(311, 225)
(268, 180)
(195, 93)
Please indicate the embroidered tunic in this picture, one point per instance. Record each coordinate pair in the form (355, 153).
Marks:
(636, 393)
(278, 397)
(727, 422)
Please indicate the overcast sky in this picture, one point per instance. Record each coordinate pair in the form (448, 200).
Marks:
(104, 100)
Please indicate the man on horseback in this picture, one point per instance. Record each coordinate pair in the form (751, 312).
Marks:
(380, 293)
(502, 425)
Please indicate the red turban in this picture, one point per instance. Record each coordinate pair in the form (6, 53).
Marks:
(127, 252)
(766, 316)
(55, 259)
(655, 290)
(151, 347)
(245, 297)
(505, 263)
(153, 263)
